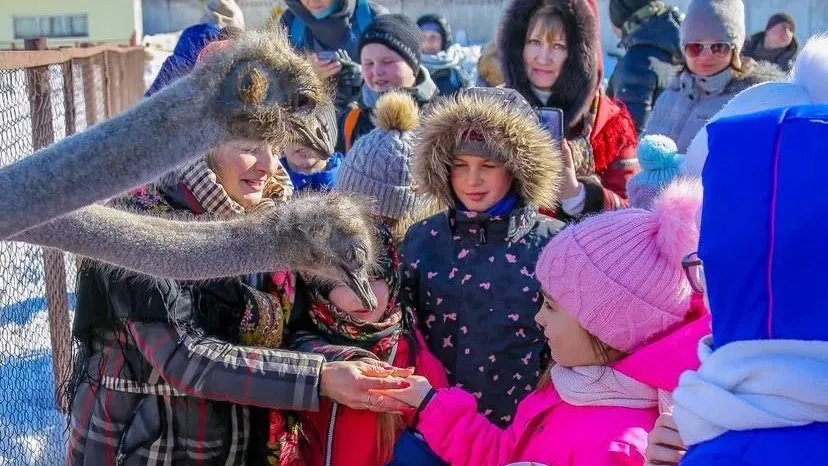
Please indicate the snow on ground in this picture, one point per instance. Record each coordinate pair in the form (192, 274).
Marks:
(32, 430)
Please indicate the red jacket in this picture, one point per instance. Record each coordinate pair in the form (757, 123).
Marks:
(614, 144)
(354, 440)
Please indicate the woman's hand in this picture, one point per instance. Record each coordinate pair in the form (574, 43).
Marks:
(664, 446)
(357, 384)
(570, 186)
(413, 395)
(326, 69)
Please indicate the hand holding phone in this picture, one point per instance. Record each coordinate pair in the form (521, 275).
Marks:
(327, 56)
(552, 121)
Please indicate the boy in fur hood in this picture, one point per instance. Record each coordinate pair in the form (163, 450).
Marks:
(468, 272)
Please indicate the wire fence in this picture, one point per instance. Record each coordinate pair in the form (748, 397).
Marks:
(46, 95)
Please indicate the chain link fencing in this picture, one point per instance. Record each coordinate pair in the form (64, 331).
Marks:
(46, 95)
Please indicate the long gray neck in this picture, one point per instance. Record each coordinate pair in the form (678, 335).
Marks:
(176, 249)
(110, 158)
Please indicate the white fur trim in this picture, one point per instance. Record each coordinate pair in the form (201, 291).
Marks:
(811, 68)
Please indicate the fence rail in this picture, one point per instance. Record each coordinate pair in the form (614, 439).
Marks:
(46, 95)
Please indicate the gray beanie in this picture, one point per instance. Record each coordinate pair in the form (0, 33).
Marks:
(721, 20)
(379, 163)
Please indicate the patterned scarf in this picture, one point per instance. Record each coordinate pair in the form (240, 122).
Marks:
(341, 337)
(203, 190)
(341, 329)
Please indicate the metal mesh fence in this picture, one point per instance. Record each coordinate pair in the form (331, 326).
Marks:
(46, 95)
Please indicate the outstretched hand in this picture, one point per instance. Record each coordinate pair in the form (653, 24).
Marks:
(413, 395)
(664, 446)
(355, 384)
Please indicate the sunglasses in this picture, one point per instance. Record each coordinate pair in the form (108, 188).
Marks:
(695, 49)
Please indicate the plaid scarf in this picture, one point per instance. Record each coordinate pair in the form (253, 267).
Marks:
(208, 195)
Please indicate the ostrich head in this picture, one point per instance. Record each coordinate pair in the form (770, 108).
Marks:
(332, 237)
(262, 88)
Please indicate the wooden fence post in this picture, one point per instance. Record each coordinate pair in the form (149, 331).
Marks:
(106, 84)
(43, 134)
(90, 96)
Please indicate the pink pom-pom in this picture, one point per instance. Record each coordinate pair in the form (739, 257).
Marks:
(675, 210)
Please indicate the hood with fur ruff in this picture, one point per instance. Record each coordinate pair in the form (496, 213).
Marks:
(577, 83)
(510, 129)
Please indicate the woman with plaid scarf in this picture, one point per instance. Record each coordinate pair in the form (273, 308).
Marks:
(162, 376)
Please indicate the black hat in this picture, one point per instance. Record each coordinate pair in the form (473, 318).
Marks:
(397, 32)
(442, 25)
(621, 10)
(781, 18)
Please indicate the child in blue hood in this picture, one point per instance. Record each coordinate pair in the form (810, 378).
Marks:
(313, 164)
(759, 397)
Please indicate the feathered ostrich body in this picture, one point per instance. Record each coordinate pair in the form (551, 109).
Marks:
(255, 88)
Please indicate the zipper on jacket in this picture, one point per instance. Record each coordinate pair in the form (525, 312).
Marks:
(483, 236)
(329, 450)
(334, 409)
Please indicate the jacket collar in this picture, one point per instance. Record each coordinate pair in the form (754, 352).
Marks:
(484, 228)
(700, 87)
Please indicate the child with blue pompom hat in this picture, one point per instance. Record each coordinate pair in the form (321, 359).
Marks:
(660, 161)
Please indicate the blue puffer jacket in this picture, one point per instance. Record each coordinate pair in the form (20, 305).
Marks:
(190, 44)
(764, 252)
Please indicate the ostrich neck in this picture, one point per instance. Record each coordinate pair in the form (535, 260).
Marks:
(174, 249)
(109, 158)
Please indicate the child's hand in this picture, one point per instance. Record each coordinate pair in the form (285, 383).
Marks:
(664, 446)
(413, 395)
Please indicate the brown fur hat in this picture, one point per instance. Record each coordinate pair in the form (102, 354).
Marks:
(512, 133)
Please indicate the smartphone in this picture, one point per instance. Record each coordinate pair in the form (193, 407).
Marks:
(552, 121)
(327, 56)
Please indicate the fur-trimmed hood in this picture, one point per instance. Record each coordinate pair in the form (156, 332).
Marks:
(753, 73)
(510, 129)
(576, 86)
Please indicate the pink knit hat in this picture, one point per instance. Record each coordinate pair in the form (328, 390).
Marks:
(619, 273)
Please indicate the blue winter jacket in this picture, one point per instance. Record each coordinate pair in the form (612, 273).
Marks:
(324, 180)
(471, 280)
(763, 243)
(190, 44)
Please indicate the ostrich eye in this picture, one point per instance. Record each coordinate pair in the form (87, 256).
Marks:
(358, 255)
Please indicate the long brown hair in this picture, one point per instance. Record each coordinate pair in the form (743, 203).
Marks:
(389, 427)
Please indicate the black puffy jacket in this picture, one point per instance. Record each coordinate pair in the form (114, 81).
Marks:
(650, 64)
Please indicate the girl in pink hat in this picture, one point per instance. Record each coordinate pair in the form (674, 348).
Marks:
(621, 329)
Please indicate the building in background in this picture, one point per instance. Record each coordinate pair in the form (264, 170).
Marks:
(70, 22)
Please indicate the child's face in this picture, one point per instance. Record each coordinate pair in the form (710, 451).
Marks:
(346, 301)
(479, 183)
(384, 69)
(569, 343)
(304, 159)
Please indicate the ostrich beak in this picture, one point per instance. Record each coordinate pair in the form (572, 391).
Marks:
(359, 284)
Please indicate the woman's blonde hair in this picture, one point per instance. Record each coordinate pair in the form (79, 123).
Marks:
(551, 23)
